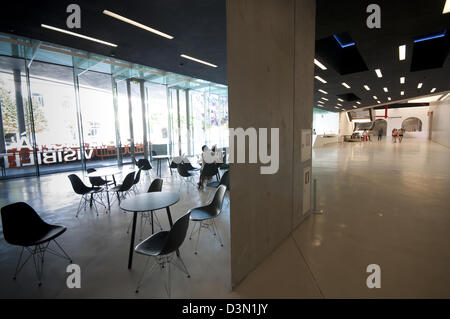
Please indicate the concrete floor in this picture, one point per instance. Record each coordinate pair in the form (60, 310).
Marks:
(383, 203)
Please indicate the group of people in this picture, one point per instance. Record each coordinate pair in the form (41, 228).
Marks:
(397, 134)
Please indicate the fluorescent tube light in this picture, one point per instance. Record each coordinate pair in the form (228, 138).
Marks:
(367, 88)
(385, 89)
(137, 24)
(322, 91)
(320, 65)
(432, 90)
(402, 80)
(78, 35)
(358, 102)
(375, 98)
(355, 107)
(321, 102)
(402, 52)
(198, 60)
(324, 98)
(378, 72)
(320, 79)
(339, 99)
(419, 85)
(346, 85)
(389, 98)
(402, 93)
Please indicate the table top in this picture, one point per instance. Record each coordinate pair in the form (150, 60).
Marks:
(108, 171)
(149, 201)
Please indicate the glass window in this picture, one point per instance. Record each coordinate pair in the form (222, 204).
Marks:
(55, 117)
(97, 111)
(16, 145)
(158, 115)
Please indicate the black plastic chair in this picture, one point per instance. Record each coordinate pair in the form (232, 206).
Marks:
(97, 181)
(162, 246)
(210, 170)
(137, 178)
(144, 164)
(224, 180)
(205, 216)
(22, 226)
(185, 175)
(123, 189)
(87, 194)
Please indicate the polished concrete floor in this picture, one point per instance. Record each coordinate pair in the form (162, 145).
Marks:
(383, 203)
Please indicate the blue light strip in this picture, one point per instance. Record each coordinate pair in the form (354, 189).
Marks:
(440, 35)
(343, 45)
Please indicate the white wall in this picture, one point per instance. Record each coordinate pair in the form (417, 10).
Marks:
(441, 122)
(397, 116)
(345, 126)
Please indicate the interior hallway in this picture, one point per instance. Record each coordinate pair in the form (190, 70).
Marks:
(385, 204)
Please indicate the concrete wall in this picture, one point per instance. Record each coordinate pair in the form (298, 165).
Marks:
(397, 116)
(440, 126)
(270, 53)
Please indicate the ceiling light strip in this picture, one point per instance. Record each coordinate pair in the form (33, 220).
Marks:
(78, 35)
(137, 24)
(198, 60)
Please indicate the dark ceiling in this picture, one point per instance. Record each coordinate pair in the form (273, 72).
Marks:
(199, 30)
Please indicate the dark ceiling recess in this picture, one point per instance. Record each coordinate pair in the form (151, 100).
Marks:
(400, 105)
(349, 97)
(430, 51)
(340, 52)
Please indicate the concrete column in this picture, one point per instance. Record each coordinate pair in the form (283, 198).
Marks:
(270, 53)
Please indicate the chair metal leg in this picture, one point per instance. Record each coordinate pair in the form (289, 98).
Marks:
(216, 232)
(192, 231)
(18, 264)
(143, 273)
(168, 279)
(198, 237)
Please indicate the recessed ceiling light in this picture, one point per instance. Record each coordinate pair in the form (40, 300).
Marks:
(339, 104)
(402, 93)
(367, 88)
(324, 98)
(419, 85)
(389, 98)
(345, 85)
(402, 52)
(375, 97)
(358, 102)
(378, 72)
(402, 80)
(198, 60)
(446, 7)
(339, 99)
(322, 91)
(137, 24)
(78, 35)
(378, 102)
(320, 65)
(320, 79)
(432, 90)
(385, 89)
(355, 107)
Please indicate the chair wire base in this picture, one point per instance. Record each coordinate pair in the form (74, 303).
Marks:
(164, 262)
(211, 226)
(37, 253)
